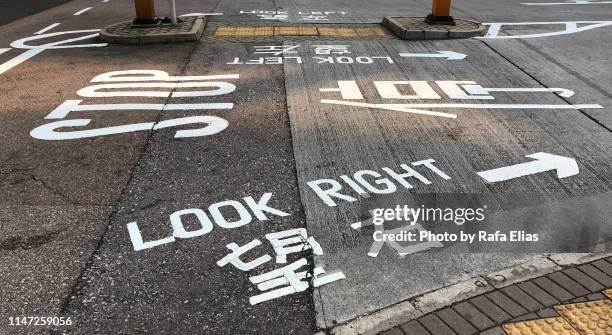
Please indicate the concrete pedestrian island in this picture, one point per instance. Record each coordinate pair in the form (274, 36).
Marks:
(415, 28)
(187, 29)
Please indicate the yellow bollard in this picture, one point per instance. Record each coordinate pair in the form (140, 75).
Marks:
(145, 11)
(440, 13)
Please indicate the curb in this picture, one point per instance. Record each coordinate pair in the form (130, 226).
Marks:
(509, 279)
(414, 28)
(122, 33)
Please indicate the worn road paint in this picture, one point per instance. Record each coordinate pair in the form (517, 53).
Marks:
(562, 92)
(411, 108)
(82, 11)
(19, 59)
(44, 30)
(74, 105)
(449, 55)
(571, 27)
(153, 75)
(405, 108)
(35, 50)
(221, 88)
(21, 43)
(200, 14)
(3, 50)
(565, 167)
(566, 3)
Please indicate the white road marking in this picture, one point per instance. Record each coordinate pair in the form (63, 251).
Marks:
(449, 55)
(44, 30)
(406, 108)
(571, 27)
(3, 50)
(104, 0)
(21, 43)
(565, 3)
(73, 105)
(410, 108)
(33, 50)
(200, 14)
(19, 59)
(565, 167)
(82, 11)
(562, 92)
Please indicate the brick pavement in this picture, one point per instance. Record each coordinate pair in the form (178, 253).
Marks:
(555, 300)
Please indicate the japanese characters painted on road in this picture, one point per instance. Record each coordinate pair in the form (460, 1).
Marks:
(281, 15)
(33, 50)
(453, 89)
(571, 27)
(121, 84)
(325, 54)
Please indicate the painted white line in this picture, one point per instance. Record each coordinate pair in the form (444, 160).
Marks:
(82, 11)
(397, 108)
(571, 27)
(44, 30)
(476, 106)
(536, 23)
(104, 0)
(19, 59)
(200, 14)
(3, 50)
(411, 108)
(565, 3)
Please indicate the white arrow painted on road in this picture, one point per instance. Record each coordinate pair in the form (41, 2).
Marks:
(449, 55)
(564, 166)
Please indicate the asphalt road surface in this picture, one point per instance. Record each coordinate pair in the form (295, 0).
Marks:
(13, 10)
(124, 216)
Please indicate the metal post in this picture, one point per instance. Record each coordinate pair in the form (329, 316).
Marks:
(173, 12)
(440, 13)
(145, 12)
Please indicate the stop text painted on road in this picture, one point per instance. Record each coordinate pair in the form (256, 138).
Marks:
(131, 79)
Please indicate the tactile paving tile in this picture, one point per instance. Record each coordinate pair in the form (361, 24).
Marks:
(548, 326)
(373, 31)
(295, 31)
(353, 32)
(590, 318)
(245, 31)
(608, 293)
